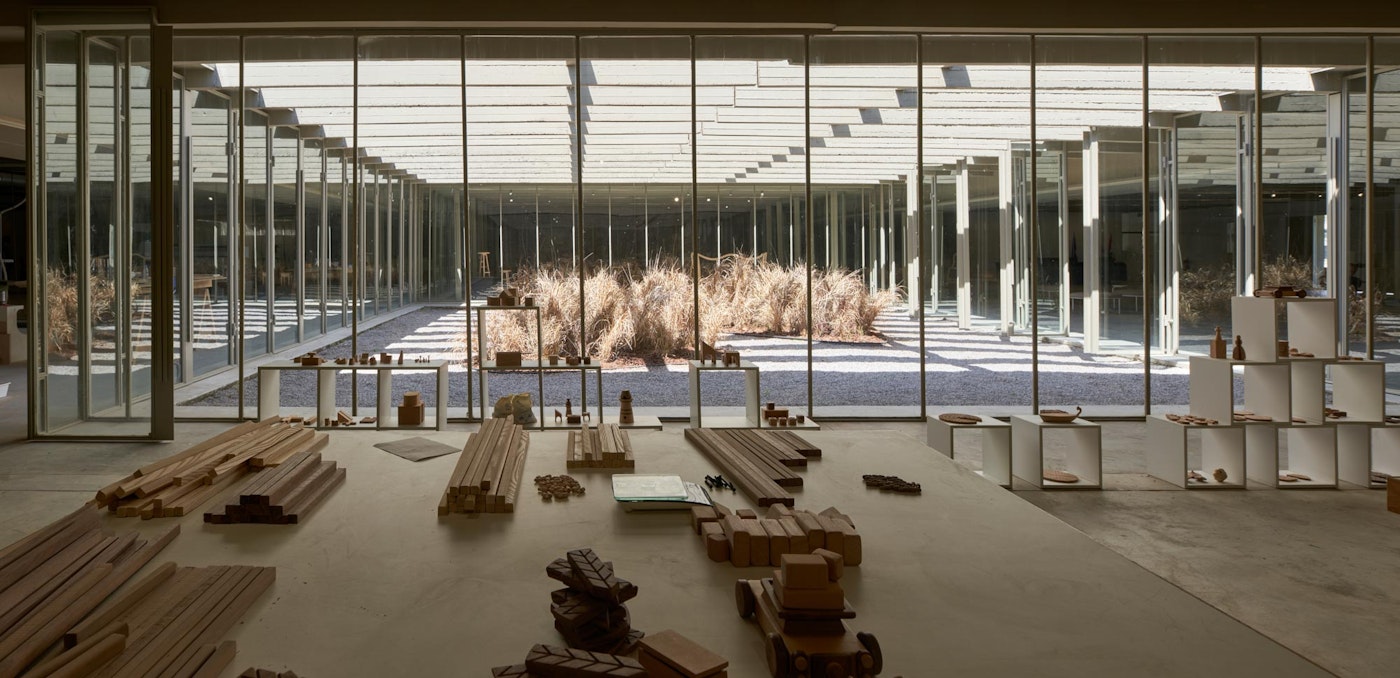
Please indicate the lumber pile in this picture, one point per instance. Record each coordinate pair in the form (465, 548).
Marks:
(266, 673)
(179, 484)
(489, 471)
(761, 463)
(281, 495)
(52, 579)
(175, 619)
(745, 539)
(606, 446)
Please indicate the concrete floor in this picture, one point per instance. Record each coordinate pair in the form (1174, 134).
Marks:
(967, 578)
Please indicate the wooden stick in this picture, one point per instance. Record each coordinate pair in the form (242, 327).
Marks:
(87, 629)
(231, 612)
(295, 512)
(156, 641)
(20, 598)
(65, 658)
(231, 434)
(23, 544)
(29, 640)
(91, 659)
(214, 666)
(41, 552)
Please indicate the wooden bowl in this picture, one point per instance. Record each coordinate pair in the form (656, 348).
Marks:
(959, 418)
(1060, 416)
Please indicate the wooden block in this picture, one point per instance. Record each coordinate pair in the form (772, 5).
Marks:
(797, 537)
(657, 667)
(1392, 494)
(739, 546)
(716, 544)
(720, 509)
(217, 662)
(831, 512)
(758, 542)
(778, 544)
(702, 514)
(835, 563)
(562, 662)
(805, 571)
(816, 535)
(851, 542)
(835, 538)
(86, 660)
(682, 655)
(747, 514)
(779, 511)
(829, 597)
(120, 605)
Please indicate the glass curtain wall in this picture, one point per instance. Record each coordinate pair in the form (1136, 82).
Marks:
(635, 95)
(976, 136)
(750, 244)
(864, 109)
(1384, 276)
(1089, 90)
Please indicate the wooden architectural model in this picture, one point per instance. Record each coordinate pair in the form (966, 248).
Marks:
(590, 612)
(761, 463)
(801, 611)
(488, 473)
(411, 411)
(606, 446)
(624, 402)
(180, 483)
(757, 541)
(282, 495)
(671, 655)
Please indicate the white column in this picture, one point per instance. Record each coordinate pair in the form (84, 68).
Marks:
(964, 254)
(1091, 248)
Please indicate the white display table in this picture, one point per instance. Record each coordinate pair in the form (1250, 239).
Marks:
(996, 445)
(1081, 442)
(270, 391)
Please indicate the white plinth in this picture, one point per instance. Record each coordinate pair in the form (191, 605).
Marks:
(996, 445)
(1080, 442)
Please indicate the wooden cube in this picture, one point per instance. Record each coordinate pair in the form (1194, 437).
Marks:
(508, 358)
(412, 398)
(733, 527)
(829, 597)
(411, 415)
(716, 543)
(797, 537)
(778, 544)
(758, 542)
(805, 571)
(747, 514)
(702, 514)
(835, 564)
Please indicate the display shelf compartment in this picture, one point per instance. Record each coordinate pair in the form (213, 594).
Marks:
(1080, 440)
(996, 445)
(1311, 450)
(1358, 388)
(1311, 326)
(1267, 389)
(751, 396)
(1383, 454)
(1170, 445)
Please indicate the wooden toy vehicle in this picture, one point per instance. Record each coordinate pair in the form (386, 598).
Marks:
(815, 643)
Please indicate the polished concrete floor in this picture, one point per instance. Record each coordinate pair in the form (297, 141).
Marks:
(967, 579)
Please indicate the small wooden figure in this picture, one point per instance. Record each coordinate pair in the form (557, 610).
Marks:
(1238, 353)
(1217, 345)
(400, 357)
(558, 417)
(568, 407)
(554, 360)
(371, 360)
(624, 401)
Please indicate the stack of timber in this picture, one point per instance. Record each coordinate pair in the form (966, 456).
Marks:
(280, 496)
(489, 470)
(761, 463)
(744, 539)
(266, 673)
(174, 620)
(181, 483)
(55, 577)
(607, 446)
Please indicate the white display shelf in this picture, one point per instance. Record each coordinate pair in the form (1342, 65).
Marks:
(1381, 454)
(1080, 441)
(751, 392)
(1267, 388)
(996, 445)
(270, 387)
(1311, 326)
(1311, 450)
(1170, 445)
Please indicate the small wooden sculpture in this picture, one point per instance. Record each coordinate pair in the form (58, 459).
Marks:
(411, 411)
(1060, 416)
(508, 358)
(731, 358)
(400, 357)
(558, 417)
(624, 401)
(1217, 345)
(1238, 353)
(1220, 475)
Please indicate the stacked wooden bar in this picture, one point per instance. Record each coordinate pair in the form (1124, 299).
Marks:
(175, 620)
(266, 673)
(488, 472)
(745, 539)
(760, 463)
(180, 483)
(549, 661)
(52, 579)
(280, 496)
(606, 446)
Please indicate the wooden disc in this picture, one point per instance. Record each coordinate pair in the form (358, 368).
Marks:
(1059, 476)
(959, 418)
(1299, 476)
(1287, 479)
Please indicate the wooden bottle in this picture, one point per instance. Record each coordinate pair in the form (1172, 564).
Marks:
(1217, 345)
(1238, 353)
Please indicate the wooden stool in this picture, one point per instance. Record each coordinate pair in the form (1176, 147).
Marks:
(484, 264)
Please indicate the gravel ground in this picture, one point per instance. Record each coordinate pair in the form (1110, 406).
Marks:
(964, 368)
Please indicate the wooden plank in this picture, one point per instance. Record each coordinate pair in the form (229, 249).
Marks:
(308, 484)
(77, 652)
(514, 479)
(800, 444)
(157, 639)
(783, 452)
(216, 663)
(44, 550)
(278, 455)
(745, 475)
(193, 660)
(120, 605)
(253, 491)
(743, 441)
(277, 494)
(25, 594)
(296, 512)
(491, 475)
(473, 455)
(197, 498)
(149, 611)
(211, 629)
(23, 544)
(31, 638)
(231, 434)
(471, 481)
(91, 659)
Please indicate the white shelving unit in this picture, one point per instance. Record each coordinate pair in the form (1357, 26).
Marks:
(1170, 446)
(1293, 392)
(386, 417)
(1080, 441)
(996, 445)
(751, 406)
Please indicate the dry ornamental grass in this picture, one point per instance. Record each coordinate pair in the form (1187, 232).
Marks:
(650, 313)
